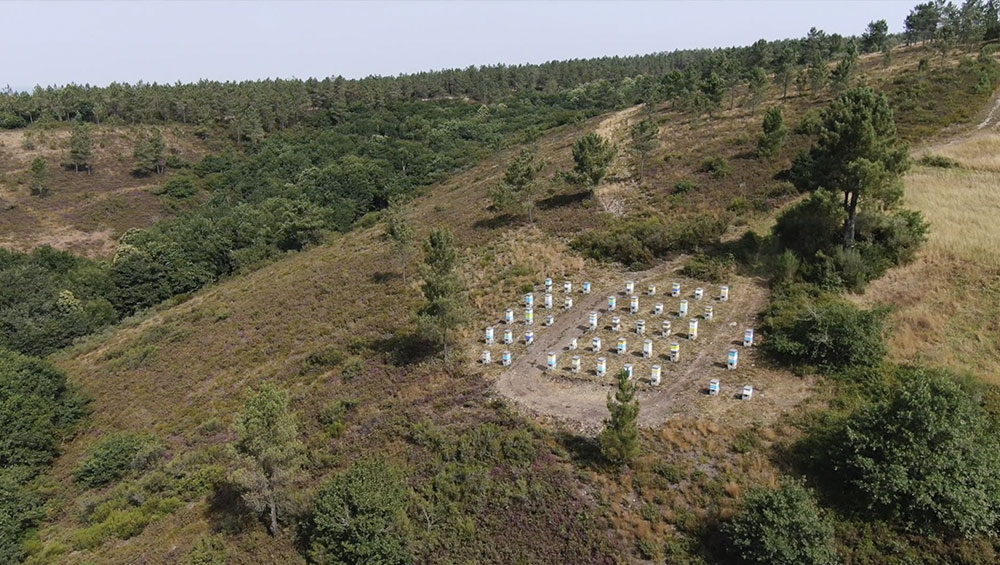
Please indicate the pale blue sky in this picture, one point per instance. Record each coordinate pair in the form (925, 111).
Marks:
(100, 42)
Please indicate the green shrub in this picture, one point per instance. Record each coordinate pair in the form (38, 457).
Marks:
(708, 268)
(360, 517)
(334, 415)
(782, 527)
(208, 550)
(20, 509)
(684, 186)
(939, 161)
(673, 474)
(36, 407)
(780, 189)
(927, 457)
(717, 167)
(636, 243)
(746, 441)
(322, 359)
(786, 269)
(810, 226)
(812, 230)
(738, 205)
(116, 455)
(124, 522)
(807, 326)
(178, 187)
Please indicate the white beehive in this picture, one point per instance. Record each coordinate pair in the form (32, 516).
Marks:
(550, 362)
(633, 304)
(622, 346)
(508, 316)
(548, 285)
(629, 288)
(616, 323)
(654, 375)
(529, 300)
(529, 337)
(714, 386)
(675, 352)
(647, 349)
(640, 327)
(682, 308)
(627, 369)
(595, 344)
(666, 328)
(529, 316)
(575, 364)
(549, 320)
(548, 301)
(675, 289)
(508, 336)
(693, 329)
(592, 320)
(568, 302)
(567, 286)
(488, 338)
(709, 313)
(748, 338)
(652, 290)
(505, 359)
(658, 308)
(572, 344)
(486, 357)
(586, 287)
(732, 360)
(602, 366)
(699, 293)
(723, 293)
(747, 392)
(612, 302)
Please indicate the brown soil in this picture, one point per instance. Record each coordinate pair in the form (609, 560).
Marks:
(580, 399)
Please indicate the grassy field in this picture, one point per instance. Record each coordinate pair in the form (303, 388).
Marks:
(948, 301)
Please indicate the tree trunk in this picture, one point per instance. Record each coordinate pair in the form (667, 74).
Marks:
(274, 515)
(851, 222)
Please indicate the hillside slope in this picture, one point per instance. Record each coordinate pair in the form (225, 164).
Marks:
(334, 325)
(948, 301)
(84, 212)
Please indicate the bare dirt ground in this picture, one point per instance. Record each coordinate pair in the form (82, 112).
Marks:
(581, 399)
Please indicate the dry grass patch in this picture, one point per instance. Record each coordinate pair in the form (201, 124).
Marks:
(962, 208)
(981, 152)
(947, 303)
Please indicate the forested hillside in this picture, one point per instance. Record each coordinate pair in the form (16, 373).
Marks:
(241, 322)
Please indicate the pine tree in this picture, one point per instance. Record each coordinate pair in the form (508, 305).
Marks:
(773, 138)
(267, 451)
(150, 153)
(80, 145)
(592, 155)
(444, 311)
(39, 177)
(620, 437)
(399, 231)
(644, 140)
(516, 192)
(857, 153)
(758, 84)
